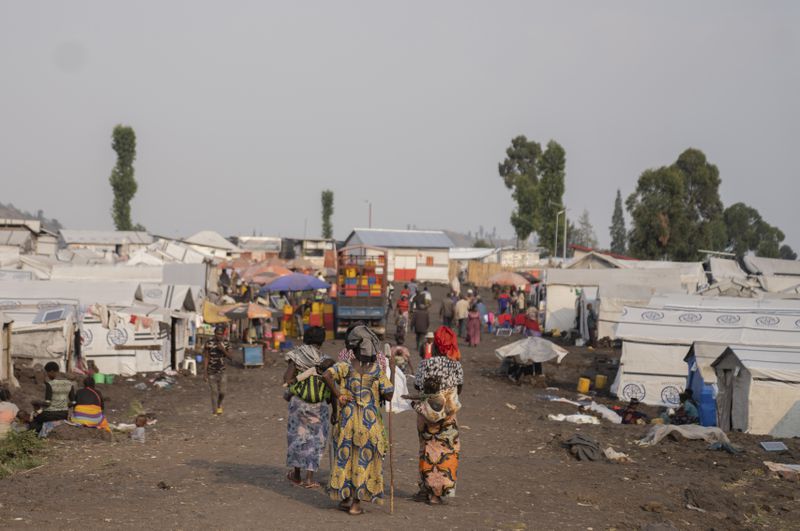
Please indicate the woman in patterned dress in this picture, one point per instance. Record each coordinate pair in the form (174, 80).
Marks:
(439, 442)
(359, 386)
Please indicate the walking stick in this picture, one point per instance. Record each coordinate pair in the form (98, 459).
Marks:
(391, 435)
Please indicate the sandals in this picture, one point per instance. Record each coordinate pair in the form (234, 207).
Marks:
(291, 478)
(312, 485)
(357, 512)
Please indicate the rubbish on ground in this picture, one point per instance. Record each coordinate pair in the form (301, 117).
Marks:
(617, 457)
(773, 446)
(689, 431)
(559, 399)
(654, 507)
(604, 412)
(577, 419)
(123, 427)
(583, 447)
(725, 447)
(163, 486)
(783, 470)
(141, 386)
(138, 434)
(511, 406)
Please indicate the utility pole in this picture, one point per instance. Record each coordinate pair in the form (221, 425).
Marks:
(555, 238)
(370, 211)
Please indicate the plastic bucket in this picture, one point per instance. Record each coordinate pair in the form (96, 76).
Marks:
(583, 385)
(99, 377)
(600, 381)
(109, 378)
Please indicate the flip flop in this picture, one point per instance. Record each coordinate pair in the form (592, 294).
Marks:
(312, 485)
(290, 478)
(358, 512)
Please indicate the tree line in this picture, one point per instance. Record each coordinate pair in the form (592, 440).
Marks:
(676, 211)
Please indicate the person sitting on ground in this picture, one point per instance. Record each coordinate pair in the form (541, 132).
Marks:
(630, 415)
(89, 406)
(58, 397)
(8, 412)
(402, 356)
(687, 413)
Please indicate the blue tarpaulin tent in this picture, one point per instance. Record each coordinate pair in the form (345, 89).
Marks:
(294, 282)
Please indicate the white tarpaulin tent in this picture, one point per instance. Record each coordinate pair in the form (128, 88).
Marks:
(759, 390)
(565, 285)
(657, 337)
(772, 266)
(615, 297)
(531, 350)
(723, 268)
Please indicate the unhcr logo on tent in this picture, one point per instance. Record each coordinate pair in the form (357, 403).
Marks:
(728, 319)
(690, 317)
(768, 320)
(652, 316)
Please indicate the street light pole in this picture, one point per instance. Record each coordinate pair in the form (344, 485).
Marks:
(565, 234)
(555, 238)
(368, 202)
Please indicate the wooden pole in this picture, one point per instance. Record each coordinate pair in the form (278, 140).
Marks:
(391, 435)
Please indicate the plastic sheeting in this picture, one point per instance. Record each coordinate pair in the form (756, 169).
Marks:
(531, 350)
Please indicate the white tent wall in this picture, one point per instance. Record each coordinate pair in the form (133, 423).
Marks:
(563, 286)
(759, 390)
(656, 338)
(124, 350)
(615, 297)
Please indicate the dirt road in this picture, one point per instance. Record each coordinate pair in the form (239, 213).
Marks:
(200, 472)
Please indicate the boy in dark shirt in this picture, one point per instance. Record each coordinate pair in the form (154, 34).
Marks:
(216, 352)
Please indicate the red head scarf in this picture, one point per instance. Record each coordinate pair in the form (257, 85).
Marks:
(446, 343)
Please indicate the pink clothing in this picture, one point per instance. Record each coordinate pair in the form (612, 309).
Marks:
(474, 328)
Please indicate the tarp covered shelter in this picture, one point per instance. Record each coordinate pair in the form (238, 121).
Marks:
(657, 337)
(565, 285)
(759, 390)
(757, 265)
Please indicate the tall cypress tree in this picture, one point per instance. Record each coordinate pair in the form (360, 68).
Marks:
(327, 212)
(617, 228)
(123, 142)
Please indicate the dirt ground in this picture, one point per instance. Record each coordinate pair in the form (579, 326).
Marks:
(198, 471)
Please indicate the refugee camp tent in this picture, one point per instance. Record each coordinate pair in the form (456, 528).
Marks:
(702, 379)
(757, 265)
(657, 337)
(564, 287)
(212, 243)
(723, 268)
(759, 390)
(615, 297)
(6, 366)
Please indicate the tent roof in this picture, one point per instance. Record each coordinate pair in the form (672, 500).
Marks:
(723, 268)
(471, 253)
(14, 237)
(412, 239)
(259, 243)
(705, 354)
(594, 277)
(782, 364)
(771, 266)
(737, 326)
(209, 238)
(105, 237)
(585, 261)
(170, 296)
(691, 302)
(85, 292)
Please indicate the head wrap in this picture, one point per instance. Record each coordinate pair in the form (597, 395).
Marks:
(446, 343)
(360, 339)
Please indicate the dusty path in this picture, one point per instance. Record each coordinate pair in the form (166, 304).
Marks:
(228, 472)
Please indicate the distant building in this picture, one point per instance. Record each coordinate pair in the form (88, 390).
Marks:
(319, 253)
(121, 242)
(259, 247)
(26, 236)
(419, 254)
(212, 243)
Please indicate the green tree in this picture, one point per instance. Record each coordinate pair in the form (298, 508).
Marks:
(787, 253)
(584, 232)
(123, 142)
(618, 233)
(551, 193)
(747, 231)
(481, 244)
(327, 212)
(676, 210)
(520, 175)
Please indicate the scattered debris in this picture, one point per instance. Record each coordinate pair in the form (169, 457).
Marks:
(783, 470)
(773, 446)
(141, 386)
(690, 431)
(617, 457)
(163, 486)
(511, 406)
(576, 419)
(654, 507)
(583, 447)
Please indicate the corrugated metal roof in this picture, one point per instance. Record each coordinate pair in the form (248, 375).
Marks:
(209, 238)
(259, 243)
(393, 239)
(105, 237)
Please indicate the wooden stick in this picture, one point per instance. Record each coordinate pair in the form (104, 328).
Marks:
(391, 437)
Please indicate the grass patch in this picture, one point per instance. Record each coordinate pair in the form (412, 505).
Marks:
(20, 451)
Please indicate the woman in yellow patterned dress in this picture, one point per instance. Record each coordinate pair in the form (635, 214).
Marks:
(359, 447)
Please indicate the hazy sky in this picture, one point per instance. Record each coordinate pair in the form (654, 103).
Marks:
(245, 111)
